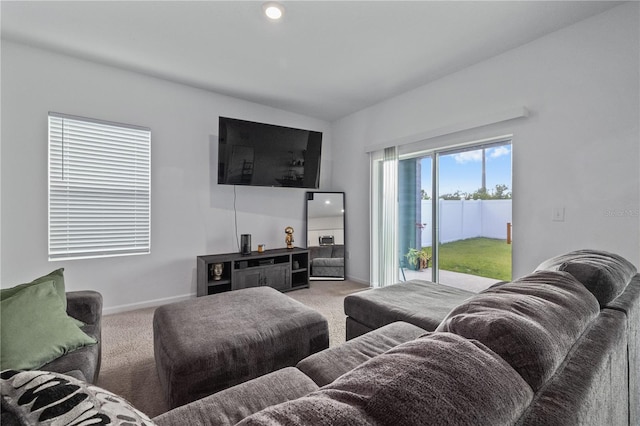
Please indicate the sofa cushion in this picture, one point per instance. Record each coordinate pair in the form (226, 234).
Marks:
(532, 322)
(603, 274)
(421, 303)
(36, 329)
(326, 366)
(231, 405)
(439, 376)
(46, 398)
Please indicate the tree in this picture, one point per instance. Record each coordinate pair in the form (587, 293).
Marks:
(500, 192)
(480, 194)
(424, 195)
(455, 196)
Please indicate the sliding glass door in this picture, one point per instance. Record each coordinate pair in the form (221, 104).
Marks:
(454, 214)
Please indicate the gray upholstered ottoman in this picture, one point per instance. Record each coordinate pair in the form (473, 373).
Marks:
(211, 343)
(421, 303)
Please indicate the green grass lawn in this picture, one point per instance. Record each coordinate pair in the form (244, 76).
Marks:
(485, 257)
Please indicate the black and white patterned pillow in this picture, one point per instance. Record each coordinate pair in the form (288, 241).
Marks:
(46, 398)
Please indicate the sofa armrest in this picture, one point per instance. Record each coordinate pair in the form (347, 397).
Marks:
(85, 306)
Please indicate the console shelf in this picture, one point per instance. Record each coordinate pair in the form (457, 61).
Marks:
(282, 269)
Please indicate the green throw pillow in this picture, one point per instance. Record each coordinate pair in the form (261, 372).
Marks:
(56, 276)
(35, 329)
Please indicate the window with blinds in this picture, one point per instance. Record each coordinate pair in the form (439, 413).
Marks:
(99, 188)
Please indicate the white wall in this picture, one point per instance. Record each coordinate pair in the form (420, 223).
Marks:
(191, 214)
(327, 225)
(578, 149)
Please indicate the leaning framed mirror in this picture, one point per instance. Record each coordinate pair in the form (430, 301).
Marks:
(326, 235)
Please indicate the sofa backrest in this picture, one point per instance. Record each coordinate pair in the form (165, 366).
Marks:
(614, 281)
(320, 252)
(604, 274)
(532, 322)
(629, 303)
(328, 251)
(559, 346)
(435, 377)
(590, 388)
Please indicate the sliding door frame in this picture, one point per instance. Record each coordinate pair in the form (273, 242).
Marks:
(435, 155)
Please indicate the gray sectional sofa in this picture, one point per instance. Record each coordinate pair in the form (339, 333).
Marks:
(556, 347)
(327, 261)
(559, 346)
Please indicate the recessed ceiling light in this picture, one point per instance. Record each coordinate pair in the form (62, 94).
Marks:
(273, 10)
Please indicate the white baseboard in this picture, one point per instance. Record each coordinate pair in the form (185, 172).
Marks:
(359, 281)
(165, 300)
(147, 304)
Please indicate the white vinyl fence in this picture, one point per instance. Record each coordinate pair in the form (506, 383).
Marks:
(462, 219)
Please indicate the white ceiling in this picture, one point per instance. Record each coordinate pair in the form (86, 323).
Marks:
(326, 59)
(326, 204)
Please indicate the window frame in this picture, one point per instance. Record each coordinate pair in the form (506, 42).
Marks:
(99, 188)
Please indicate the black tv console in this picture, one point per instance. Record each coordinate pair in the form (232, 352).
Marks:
(283, 269)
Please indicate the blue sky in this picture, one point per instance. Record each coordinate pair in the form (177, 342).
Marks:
(463, 171)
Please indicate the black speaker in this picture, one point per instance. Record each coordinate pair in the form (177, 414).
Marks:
(245, 244)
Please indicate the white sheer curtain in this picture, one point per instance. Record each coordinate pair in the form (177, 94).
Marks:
(384, 207)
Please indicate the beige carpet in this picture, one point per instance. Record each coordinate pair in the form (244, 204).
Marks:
(128, 367)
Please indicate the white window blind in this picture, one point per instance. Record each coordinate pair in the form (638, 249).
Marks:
(99, 188)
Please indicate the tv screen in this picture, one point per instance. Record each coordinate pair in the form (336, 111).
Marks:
(260, 154)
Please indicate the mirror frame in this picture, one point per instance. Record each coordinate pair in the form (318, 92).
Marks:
(309, 197)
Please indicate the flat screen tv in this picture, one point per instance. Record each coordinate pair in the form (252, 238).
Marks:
(260, 154)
